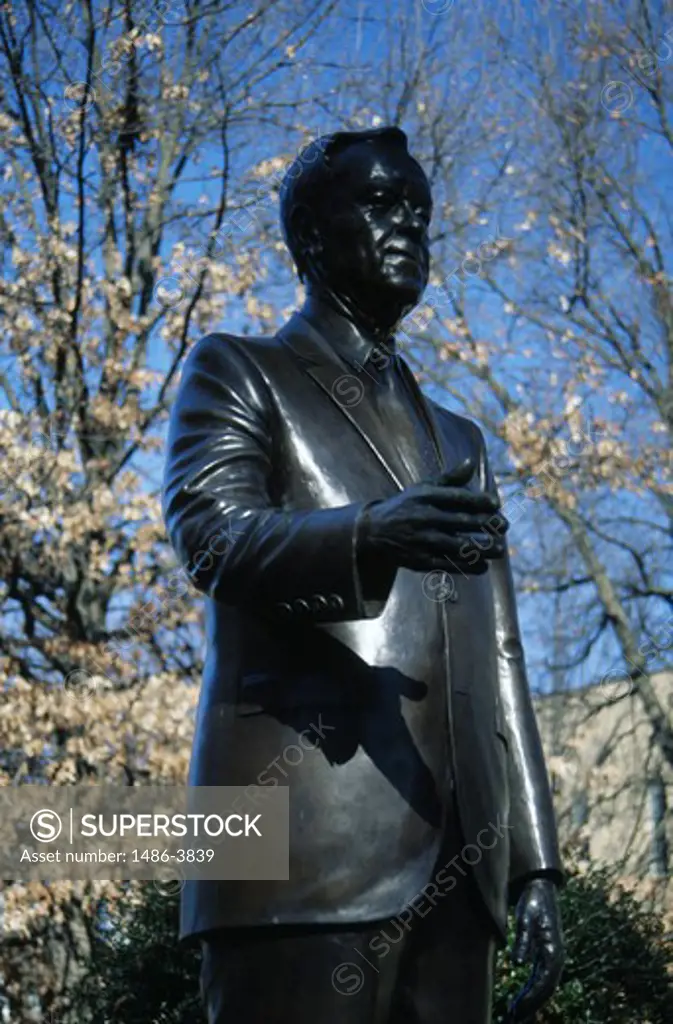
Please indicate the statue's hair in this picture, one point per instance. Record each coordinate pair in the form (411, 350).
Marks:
(308, 176)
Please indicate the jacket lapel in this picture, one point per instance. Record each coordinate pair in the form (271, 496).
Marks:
(344, 389)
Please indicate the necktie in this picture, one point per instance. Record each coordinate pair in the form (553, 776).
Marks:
(401, 420)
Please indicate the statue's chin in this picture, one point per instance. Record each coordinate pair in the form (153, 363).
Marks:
(384, 301)
(405, 285)
(403, 295)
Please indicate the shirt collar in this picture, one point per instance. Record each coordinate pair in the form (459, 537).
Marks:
(356, 346)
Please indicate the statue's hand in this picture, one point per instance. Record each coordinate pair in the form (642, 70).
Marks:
(539, 941)
(435, 525)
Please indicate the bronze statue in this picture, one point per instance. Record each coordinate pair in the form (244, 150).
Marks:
(346, 532)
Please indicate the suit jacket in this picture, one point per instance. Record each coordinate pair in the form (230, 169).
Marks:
(401, 707)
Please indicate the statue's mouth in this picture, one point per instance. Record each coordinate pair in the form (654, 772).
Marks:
(408, 250)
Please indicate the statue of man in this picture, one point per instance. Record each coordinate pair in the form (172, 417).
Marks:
(347, 534)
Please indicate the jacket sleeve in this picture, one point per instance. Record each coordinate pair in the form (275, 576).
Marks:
(221, 471)
(534, 850)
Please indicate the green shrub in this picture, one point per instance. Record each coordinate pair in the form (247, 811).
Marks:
(617, 970)
(139, 973)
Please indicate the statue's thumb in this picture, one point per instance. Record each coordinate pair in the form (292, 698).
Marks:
(459, 475)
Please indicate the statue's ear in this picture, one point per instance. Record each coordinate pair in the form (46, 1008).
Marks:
(308, 240)
(304, 226)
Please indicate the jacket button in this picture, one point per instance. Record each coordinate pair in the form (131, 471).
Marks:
(319, 603)
(512, 648)
(335, 601)
(301, 606)
(284, 608)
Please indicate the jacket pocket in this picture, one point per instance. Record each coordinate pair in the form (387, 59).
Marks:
(267, 692)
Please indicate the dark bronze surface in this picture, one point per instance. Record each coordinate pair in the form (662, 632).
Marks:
(433, 965)
(395, 701)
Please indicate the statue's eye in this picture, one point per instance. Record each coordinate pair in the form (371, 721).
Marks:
(380, 198)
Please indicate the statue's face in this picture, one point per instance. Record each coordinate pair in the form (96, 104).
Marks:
(374, 228)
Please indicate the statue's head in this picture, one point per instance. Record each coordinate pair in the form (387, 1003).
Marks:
(355, 211)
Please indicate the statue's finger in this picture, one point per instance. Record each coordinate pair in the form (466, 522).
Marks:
(522, 944)
(459, 475)
(532, 1000)
(537, 991)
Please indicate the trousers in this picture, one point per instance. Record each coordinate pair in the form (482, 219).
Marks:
(434, 969)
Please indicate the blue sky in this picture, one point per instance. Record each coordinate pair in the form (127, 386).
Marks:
(351, 75)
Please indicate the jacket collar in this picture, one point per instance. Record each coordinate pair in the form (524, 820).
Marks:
(352, 342)
(318, 358)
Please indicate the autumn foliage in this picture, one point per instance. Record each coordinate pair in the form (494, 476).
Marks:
(142, 148)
